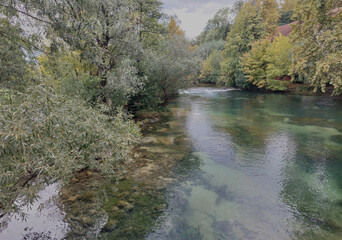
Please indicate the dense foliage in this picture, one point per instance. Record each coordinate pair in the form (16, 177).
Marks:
(247, 28)
(218, 27)
(71, 73)
(46, 136)
(211, 68)
(256, 54)
(213, 39)
(267, 61)
(172, 66)
(317, 55)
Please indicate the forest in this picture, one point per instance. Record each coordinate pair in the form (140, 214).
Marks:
(246, 47)
(73, 74)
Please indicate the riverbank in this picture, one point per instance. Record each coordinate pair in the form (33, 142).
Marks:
(135, 202)
(217, 163)
(95, 206)
(303, 89)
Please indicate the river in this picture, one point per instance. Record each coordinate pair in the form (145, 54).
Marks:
(224, 164)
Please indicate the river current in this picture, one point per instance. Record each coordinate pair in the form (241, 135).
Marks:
(244, 166)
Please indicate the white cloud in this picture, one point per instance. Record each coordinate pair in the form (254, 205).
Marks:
(194, 15)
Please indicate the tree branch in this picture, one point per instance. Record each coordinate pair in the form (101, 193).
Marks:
(25, 13)
(22, 40)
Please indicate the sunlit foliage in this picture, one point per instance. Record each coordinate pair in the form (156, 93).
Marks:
(247, 28)
(267, 61)
(270, 15)
(174, 29)
(317, 55)
(279, 56)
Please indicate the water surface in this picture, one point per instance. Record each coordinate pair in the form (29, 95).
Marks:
(270, 167)
(224, 164)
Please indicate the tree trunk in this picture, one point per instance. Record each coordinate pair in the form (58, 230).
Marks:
(165, 97)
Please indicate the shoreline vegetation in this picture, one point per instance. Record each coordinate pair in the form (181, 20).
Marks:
(75, 75)
(275, 47)
(72, 76)
(138, 198)
(293, 89)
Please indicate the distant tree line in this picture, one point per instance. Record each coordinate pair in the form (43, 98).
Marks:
(254, 54)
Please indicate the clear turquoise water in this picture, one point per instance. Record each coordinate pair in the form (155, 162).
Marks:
(225, 164)
(262, 166)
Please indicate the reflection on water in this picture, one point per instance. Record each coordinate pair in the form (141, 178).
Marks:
(45, 224)
(224, 165)
(270, 168)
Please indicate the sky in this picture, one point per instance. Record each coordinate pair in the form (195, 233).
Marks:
(194, 14)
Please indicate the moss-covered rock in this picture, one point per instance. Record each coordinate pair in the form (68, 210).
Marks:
(110, 226)
(125, 205)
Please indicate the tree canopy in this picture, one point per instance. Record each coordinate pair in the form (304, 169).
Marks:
(72, 73)
(247, 28)
(312, 53)
(317, 54)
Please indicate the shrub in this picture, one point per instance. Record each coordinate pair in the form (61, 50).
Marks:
(47, 137)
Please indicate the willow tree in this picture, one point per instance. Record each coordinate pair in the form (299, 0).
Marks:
(17, 47)
(171, 66)
(105, 33)
(47, 136)
(14, 48)
(318, 36)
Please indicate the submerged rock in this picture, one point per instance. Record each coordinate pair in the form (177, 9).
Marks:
(86, 220)
(110, 226)
(74, 198)
(88, 196)
(166, 140)
(125, 205)
(180, 139)
(75, 180)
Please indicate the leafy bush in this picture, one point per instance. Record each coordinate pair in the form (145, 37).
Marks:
(46, 137)
(276, 85)
(172, 67)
